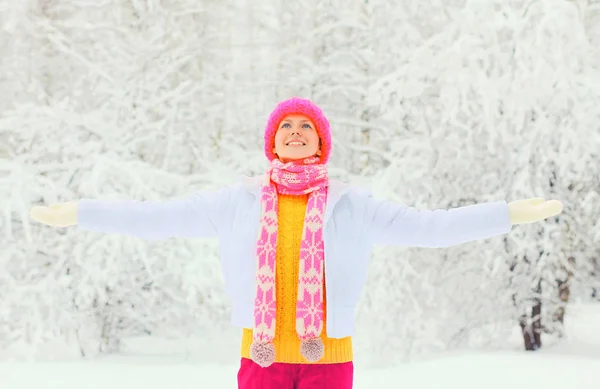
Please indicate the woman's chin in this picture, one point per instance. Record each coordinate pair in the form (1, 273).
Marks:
(294, 157)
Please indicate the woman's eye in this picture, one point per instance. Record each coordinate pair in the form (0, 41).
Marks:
(285, 125)
(306, 126)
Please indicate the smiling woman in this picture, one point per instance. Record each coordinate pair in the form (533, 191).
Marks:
(296, 138)
(297, 120)
(298, 325)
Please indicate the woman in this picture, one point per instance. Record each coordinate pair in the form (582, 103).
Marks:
(295, 288)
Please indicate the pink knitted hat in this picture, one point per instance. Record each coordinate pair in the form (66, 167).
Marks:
(297, 105)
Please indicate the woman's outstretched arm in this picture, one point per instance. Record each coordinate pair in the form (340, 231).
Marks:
(395, 224)
(199, 215)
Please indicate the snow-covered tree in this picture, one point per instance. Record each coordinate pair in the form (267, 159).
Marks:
(433, 105)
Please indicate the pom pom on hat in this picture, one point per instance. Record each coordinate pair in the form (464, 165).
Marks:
(297, 105)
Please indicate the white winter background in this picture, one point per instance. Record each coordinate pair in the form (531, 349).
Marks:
(434, 104)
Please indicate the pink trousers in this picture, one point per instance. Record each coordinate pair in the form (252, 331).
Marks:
(295, 376)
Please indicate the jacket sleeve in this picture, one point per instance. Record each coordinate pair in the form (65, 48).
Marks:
(200, 215)
(393, 224)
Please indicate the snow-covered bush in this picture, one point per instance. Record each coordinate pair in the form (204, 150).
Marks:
(435, 105)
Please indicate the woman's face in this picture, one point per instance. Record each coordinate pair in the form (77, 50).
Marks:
(296, 138)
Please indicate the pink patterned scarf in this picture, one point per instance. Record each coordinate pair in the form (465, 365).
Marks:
(295, 178)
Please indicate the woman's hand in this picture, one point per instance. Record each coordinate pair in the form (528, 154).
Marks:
(533, 210)
(57, 215)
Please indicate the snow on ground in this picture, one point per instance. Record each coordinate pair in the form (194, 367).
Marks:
(475, 371)
(571, 364)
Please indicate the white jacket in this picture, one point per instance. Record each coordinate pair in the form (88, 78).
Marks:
(354, 222)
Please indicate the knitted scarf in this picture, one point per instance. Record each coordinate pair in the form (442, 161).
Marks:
(294, 178)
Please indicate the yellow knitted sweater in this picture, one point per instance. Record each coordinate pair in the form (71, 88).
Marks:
(292, 210)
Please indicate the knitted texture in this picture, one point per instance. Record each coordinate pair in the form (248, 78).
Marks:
(294, 178)
(305, 107)
(290, 223)
(263, 353)
(312, 349)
